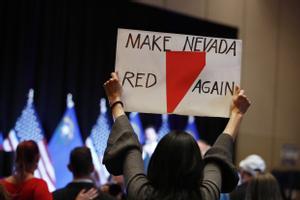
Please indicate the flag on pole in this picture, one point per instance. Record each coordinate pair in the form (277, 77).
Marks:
(191, 128)
(1, 140)
(97, 142)
(11, 142)
(164, 129)
(137, 126)
(65, 138)
(28, 127)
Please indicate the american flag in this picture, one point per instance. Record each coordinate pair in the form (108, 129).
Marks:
(11, 142)
(28, 127)
(164, 129)
(97, 141)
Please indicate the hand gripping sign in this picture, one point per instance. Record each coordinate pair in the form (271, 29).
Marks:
(180, 74)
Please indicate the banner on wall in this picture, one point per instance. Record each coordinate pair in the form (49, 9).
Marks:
(179, 74)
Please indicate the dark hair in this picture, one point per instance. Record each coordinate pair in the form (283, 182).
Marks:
(263, 187)
(175, 168)
(27, 157)
(81, 161)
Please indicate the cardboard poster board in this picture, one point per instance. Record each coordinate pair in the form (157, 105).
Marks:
(179, 74)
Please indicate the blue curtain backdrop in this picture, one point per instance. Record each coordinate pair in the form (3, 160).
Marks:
(62, 46)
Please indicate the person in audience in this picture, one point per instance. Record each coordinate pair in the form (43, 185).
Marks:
(248, 168)
(116, 187)
(263, 187)
(22, 184)
(176, 169)
(81, 166)
(116, 191)
(149, 146)
(3, 193)
(151, 141)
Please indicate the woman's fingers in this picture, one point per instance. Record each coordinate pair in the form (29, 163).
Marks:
(92, 193)
(236, 90)
(114, 75)
(82, 192)
(87, 195)
(113, 88)
(241, 92)
(243, 103)
(240, 102)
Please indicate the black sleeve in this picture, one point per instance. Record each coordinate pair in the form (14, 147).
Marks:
(122, 139)
(221, 154)
(123, 155)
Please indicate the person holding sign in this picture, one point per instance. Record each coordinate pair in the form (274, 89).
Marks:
(176, 169)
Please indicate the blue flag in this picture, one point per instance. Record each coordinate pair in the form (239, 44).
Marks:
(1, 140)
(137, 126)
(28, 127)
(97, 142)
(164, 129)
(191, 128)
(64, 139)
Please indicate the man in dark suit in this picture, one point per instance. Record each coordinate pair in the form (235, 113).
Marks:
(81, 166)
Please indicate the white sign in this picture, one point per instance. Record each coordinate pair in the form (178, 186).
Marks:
(180, 74)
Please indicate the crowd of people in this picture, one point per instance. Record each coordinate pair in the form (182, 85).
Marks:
(177, 169)
(22, 185)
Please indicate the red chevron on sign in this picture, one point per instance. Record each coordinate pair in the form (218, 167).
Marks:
(182, 68)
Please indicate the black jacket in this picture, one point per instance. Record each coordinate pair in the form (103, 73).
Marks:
(72, 189)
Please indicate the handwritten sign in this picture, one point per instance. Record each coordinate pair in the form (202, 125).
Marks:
(180, 74)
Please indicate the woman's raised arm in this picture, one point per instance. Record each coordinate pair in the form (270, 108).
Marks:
(239, 106)
(113, 90)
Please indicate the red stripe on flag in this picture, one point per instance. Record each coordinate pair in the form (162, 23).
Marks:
(10, 144)
(46, 170)
(182, 69)
(46, 164)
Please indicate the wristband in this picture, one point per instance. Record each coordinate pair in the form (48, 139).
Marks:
(115, 103)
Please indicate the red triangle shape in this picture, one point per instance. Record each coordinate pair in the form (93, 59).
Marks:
(183, 68)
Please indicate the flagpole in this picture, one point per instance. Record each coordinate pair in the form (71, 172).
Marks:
(30, 96)
(191, 119)
(103, 108)
(70, 102)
